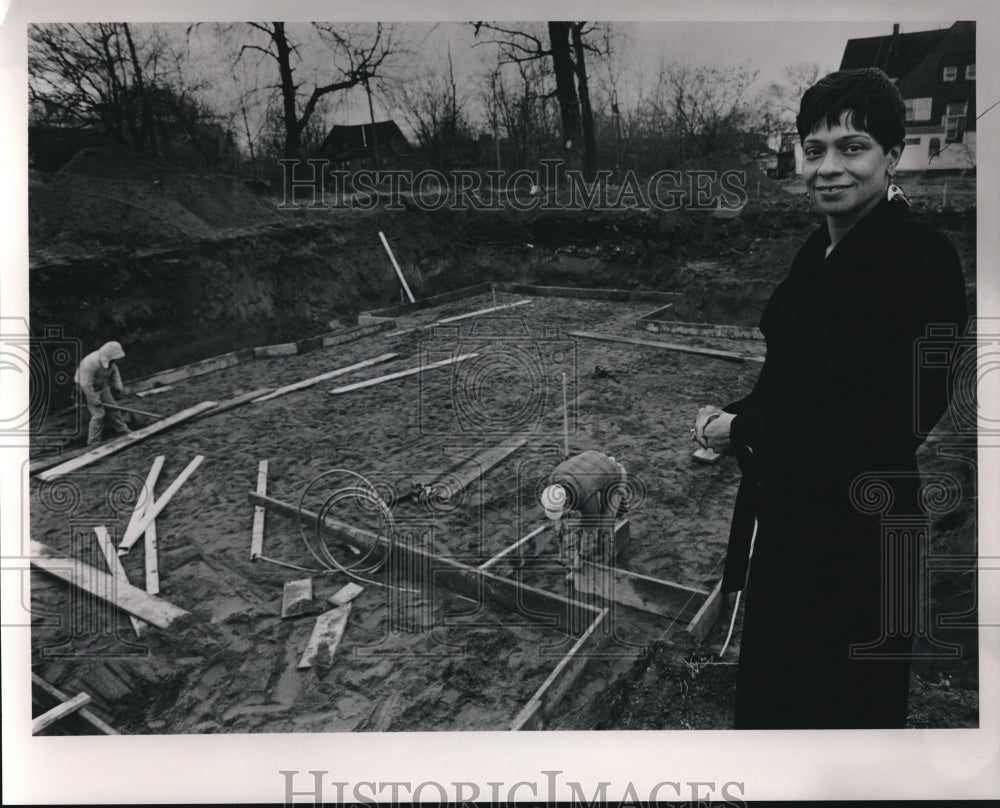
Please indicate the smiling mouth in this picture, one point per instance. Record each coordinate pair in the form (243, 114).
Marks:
(831, 188)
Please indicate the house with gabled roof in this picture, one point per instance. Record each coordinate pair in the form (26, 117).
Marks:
(936, 73)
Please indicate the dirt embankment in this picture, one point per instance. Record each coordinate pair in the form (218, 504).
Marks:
(130, 249)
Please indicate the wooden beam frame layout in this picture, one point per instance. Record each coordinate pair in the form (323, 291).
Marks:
(55, 693)
(93, 455)
(154, 610)
(669, 346)
(546, 608)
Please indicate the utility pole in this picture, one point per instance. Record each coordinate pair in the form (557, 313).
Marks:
(371, 116)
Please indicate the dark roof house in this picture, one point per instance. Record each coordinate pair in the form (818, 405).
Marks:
(936, 73)
(356, 145)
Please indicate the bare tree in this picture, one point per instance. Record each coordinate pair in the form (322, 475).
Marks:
(567, 47)
(353, 57)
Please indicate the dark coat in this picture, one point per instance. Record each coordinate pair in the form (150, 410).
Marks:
(836, 399)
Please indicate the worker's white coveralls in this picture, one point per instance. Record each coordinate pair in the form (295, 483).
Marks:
(100, 381)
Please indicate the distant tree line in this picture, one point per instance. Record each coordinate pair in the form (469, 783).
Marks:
(556, 89)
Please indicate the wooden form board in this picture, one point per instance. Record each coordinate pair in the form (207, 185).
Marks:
(93, 455)
(587, 294)
(47, 719)
(526, 543)
(55, 693)
(115, 566)
(195, 369)
(557, 684)
(257, 534)
(148, 495)
(399, 374)
(269, 351)
(669, 346)
(546, 608)
(134, 531)
(131, 599)
(637, 591)
(705, 618)
(302, 385)
(654, 323)
(467, 471)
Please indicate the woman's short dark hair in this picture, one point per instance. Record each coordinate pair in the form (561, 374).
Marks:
(868, 94)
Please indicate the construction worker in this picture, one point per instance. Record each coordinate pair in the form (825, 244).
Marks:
(100, 381)
(585, 495)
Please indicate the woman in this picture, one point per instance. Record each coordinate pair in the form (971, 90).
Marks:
(835, 400)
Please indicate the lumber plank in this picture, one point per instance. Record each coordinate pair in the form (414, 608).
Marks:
(232, 403)
(537, 605)
(302, 385)
(399, 374)
(152, 609)
(123, 442)
(470, 470)
(585, 293)
(151, 559)
(133, 532)
(148, 495)
(326, 635)
(354, 333)
(637, 591)
(669, 346)
(55, 693)
(194, 369)
(257, 534)
(540, 706)
(47, 719)
(269, 351)
(649, 323)
(395, 265)
(527, 541)
(705, 618)
(480, 312)
(426, 302)
(118, 570)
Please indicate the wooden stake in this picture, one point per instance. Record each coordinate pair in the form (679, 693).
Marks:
(369, 382)
(66, 708)
(116, 445)
(115, 565)
(289, 388)
(154, 508)
(257, 536)
(399, 272)
(131, 599)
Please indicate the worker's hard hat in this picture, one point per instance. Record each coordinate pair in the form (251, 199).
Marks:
(554, 500)
(110, 351)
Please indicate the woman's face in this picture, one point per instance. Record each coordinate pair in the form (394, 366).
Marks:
(845, 169)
